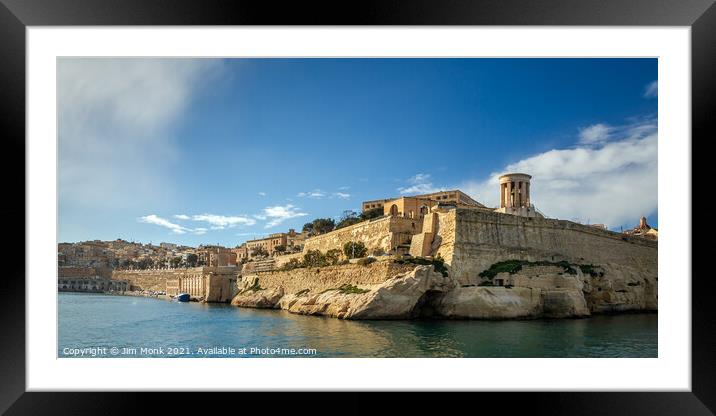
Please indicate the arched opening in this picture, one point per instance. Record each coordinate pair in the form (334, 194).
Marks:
(394, 210)
(425, 306)
(423, 210)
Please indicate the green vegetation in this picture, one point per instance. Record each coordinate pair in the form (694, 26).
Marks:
(323, 225)
(371, 213)
(290, 265)
(280, 248)
(259, 251)
(514, 266)
(438, 263)
(175, 262)
(308, 227)
(254, 287)
(591, 270)
(354, 249)
(349, 289)
(333, 256)
(314, 258)
(191, 259)
(349, 218)
(508, 266)
(366, 261)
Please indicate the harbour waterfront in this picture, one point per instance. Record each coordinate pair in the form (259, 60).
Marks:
(123, 326)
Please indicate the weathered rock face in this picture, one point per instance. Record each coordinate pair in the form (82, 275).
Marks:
(399, 297)
(532, 292)
(490, 303)
(621, 289)
(563, 303)
(252, 295)
(511, 303)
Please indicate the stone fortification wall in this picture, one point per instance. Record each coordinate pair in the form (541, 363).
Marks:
(154, 279)
(481, 239)
(319, 279)
(384, 233)
(211, 284)
(281, 260)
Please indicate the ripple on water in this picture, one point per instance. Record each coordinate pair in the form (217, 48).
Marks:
(91, 320)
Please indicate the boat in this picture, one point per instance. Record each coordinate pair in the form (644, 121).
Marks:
(182, 297)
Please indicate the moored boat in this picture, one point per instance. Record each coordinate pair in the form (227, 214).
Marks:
(182, 297)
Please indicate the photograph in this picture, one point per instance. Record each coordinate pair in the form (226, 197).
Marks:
(357, 207)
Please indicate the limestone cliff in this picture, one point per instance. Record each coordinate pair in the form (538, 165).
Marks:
(541, 290)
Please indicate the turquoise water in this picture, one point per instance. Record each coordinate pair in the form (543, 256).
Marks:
(93, 324)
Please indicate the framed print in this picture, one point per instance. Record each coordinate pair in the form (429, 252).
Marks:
(462, 197)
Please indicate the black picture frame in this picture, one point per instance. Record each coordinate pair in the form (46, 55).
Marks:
(16, 15)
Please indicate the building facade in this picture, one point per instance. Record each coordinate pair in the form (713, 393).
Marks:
(216, 256)
(453, 197)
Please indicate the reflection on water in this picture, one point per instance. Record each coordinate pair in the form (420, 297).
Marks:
(90, 320)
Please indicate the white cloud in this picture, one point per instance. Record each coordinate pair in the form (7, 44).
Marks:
(316, 194)
(220, 222)
(153, 219)
(594, 134)
(342, 195)
(278, 214)
(115, 117)
(613, 183)
(419, 178)
(216, 222)
(420, 184)
(262, 193)
(651, 90)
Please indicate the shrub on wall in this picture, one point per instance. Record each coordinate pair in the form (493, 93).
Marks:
(291, 264)
(333, 256)
(314, 258)
(354, 249)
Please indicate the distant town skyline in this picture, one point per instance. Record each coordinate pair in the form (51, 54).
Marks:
(220, 151)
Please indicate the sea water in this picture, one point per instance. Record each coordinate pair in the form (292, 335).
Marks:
(98, 325)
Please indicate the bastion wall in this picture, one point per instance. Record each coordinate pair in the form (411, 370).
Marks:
(473, 240)
(212, 284)
(380, 233)
(319, 279)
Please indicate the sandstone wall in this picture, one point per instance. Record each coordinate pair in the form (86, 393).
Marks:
(484, 238)
(154, 279)
(281, 260)
(384, 233)
(211, 284)
(324, 278)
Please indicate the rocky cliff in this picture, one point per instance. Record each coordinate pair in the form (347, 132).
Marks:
(389, 291)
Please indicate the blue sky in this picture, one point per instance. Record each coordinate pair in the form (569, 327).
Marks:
(219, 151)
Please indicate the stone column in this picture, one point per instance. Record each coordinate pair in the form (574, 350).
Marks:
(502, 195)
(527, 194)
(520, 192)
(508, 191)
